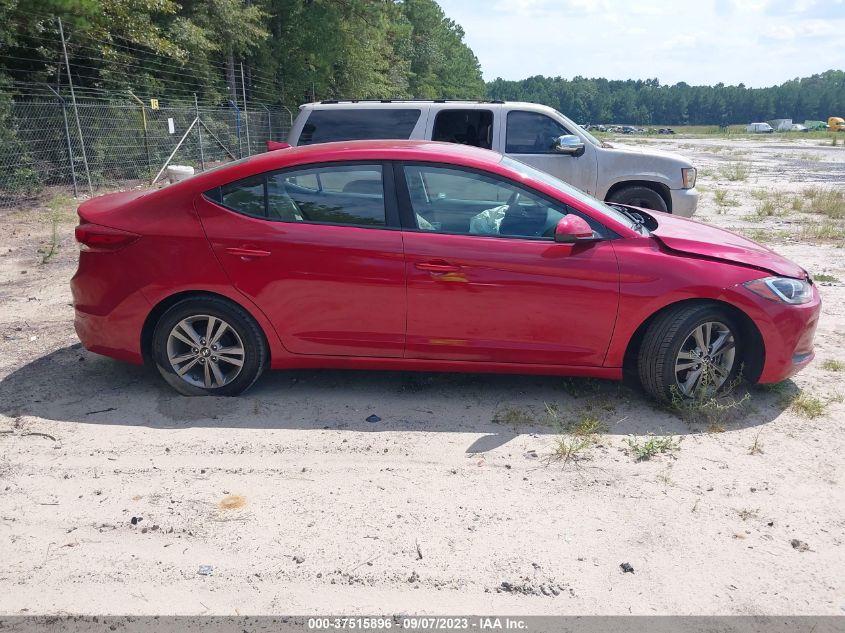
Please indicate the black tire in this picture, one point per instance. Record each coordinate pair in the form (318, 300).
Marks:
(663, 341)
(254, 345)
(639, 196)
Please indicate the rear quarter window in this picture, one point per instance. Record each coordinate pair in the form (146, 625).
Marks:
(325, 126)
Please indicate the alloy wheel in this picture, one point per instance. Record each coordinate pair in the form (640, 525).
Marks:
(705, 360)
(205, 351)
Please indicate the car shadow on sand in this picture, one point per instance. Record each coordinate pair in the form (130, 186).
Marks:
(73, 385)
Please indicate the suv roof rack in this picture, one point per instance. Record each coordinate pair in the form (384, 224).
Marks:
(331, 101)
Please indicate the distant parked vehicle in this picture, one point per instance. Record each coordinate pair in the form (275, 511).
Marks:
(836, 123)
(665, 130)
(759, 128)
(815, 125)
(797, 127)
(781, 125)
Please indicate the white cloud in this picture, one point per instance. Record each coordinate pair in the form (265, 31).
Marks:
(730, 41)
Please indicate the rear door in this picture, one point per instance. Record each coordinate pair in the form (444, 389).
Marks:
(319, 251)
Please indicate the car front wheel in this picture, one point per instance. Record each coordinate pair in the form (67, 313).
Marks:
(690, 352)
(208, 346)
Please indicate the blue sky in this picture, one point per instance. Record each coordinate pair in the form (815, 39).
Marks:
(755, 42)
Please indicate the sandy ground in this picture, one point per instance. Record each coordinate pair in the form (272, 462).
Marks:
(114, 490)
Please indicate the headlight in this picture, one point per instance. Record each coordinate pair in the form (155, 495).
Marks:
(688, 176)
(782, 289)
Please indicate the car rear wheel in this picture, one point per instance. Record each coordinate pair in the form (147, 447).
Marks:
(208, 346)
(690, 352)
(639, 196)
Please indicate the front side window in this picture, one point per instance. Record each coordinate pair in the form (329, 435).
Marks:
(449, 200)
(532, 133)
(329, 194)
(336, 124)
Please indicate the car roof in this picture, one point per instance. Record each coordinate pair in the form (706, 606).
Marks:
(376, 150)
(443, 104)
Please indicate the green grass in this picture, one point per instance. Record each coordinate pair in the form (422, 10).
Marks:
(60, 209)
(806, 405)
(824, 231)
(722, 199)
(513, 416)
(826, 201)
(734, 171)
(644, 449)
(825, 278)
(577, 437)
(832, 364)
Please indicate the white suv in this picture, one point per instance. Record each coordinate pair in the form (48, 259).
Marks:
(534, 134)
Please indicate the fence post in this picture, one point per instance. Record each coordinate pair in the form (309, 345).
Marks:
(146, 140)
(67, 139)
(199, 131)
(246, 114)
(269, 123)
(75, 109)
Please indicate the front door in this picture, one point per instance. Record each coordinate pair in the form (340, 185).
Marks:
(529, 138)
(313, 248)
(486, 280)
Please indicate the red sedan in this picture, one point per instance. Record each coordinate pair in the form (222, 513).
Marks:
(426, 256)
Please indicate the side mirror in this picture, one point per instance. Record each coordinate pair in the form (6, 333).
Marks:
(572, 228)
(569, 144)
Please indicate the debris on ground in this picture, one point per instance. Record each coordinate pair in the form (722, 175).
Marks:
(626, 568)
(801, 546)
(373, 419)
(205, 570)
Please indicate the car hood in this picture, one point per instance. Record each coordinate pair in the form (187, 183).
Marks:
(640, 151)
(703, 240)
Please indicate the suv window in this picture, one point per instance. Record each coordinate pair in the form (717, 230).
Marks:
(467, 127)
(333, 194)
(531, 133)
(449, 200)
(324, 126)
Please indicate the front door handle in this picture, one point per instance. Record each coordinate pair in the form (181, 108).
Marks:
(438, 266)
(247, 252)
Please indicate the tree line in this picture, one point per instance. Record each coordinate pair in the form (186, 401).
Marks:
(292, 51)
(648, 102)
(289, 50)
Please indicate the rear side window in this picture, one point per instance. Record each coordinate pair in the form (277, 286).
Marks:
(245, 196)
(331, 194)
(467, 127)
(324, 126)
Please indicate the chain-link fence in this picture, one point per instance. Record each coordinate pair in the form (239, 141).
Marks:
(122, 142)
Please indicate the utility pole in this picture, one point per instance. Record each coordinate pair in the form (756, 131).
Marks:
(75, 110)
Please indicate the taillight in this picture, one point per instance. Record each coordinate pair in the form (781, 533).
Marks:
(94, 237)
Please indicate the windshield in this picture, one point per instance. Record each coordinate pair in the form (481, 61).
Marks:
(600, 207)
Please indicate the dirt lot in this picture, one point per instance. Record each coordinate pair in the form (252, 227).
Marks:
(114, 490)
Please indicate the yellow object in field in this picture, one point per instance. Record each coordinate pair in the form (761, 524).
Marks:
(836, 123)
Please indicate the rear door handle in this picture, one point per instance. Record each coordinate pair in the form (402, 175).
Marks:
(247, 252)
(438, 267)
